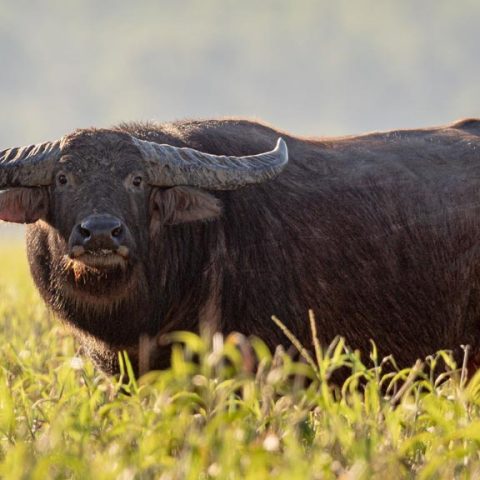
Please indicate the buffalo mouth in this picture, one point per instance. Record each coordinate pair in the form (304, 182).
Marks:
(98, 271)
(99, 276)
(103, 258)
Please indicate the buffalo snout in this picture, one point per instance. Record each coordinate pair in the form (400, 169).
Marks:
(98, 234)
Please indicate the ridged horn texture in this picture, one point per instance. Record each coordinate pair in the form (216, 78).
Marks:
(169, 166)
(28, 166)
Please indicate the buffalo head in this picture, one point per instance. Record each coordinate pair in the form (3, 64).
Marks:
(101, 194)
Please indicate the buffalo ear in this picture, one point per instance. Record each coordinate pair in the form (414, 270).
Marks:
(182, 205)
(23, 205)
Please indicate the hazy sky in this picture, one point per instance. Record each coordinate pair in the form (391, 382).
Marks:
(312, 67)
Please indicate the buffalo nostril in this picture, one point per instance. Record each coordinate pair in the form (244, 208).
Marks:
(117, 231)
(84, 232)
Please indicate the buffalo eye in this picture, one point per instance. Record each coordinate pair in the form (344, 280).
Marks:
(137, 181)
(62, 179)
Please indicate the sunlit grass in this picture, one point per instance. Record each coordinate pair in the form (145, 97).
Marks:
(209, 416)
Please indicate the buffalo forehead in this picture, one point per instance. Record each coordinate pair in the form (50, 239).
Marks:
(107, 154)
(118, 167)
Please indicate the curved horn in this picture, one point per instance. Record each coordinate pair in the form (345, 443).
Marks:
(28, 166)
(169, 166)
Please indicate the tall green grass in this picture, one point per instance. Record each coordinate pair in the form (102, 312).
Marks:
(209, 416)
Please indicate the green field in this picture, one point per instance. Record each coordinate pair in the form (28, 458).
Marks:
(60, 418)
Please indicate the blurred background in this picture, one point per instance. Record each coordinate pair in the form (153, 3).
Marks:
(312, 67)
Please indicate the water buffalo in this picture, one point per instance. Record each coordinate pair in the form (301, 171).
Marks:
(142, 229)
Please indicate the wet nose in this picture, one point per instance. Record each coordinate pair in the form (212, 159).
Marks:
(98, 232)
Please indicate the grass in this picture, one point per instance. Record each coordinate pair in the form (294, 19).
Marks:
(60, 418)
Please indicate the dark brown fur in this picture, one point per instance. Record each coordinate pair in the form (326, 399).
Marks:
(378, 234)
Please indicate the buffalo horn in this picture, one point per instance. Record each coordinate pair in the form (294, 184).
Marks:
(28, 166)
(169, 166)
